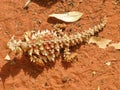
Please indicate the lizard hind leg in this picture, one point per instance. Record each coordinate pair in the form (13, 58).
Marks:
(37, 60)
(68, 56)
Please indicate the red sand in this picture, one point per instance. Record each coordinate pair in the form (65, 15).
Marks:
(88, 73)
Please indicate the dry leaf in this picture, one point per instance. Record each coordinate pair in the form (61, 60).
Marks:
(68, 17)
(7, 57)
(115, 45)
(101, 42)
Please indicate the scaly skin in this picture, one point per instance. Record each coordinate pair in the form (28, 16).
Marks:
(45, 46)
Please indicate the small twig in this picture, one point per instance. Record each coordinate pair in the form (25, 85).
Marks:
(26, 4)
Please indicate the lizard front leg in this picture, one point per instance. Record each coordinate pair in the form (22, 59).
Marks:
(58, 29)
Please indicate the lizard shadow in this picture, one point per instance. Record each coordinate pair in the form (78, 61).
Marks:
(14, 67)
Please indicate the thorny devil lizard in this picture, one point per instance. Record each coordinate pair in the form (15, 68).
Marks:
(44, 46)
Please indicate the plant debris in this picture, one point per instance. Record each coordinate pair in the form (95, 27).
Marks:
(115, 45)
(68, 17)
(101, 42)
(7, 57)
(116, 1)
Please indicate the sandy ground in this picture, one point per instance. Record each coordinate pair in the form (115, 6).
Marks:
(89, 72)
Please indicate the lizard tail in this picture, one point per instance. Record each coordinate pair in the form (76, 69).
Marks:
(92, 31)
(85, 35)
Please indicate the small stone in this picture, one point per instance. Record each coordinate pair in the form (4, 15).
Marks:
(108, 63)
(65, 79)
